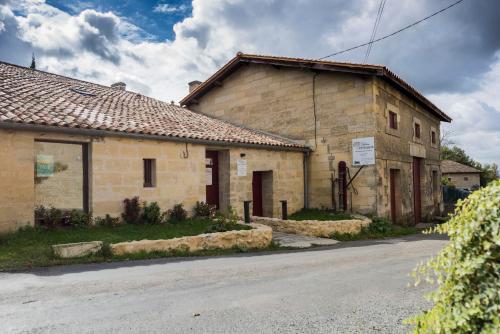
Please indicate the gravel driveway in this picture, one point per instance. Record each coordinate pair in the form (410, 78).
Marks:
(359, 287)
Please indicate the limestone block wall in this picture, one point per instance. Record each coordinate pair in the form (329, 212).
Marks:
(287, 179)
(117, 173)
(396, 149)
(17, 193)
(463, 180)
(281, 101)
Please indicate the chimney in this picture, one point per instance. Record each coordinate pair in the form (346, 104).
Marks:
(119, 85)
(193, 85)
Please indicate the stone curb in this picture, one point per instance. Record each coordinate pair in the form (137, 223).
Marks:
(315, 228)
(77, 249)
(260, 236)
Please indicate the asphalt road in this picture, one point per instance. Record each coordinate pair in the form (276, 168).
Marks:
(363, 288)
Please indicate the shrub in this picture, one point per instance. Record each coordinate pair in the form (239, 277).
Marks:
(151, 213)
(48, 216)
(224, 223)
(177, 213)
(78, 218)
(379, 225)
(467, 270)
(132, 211)
(204, 210)
(107, 221)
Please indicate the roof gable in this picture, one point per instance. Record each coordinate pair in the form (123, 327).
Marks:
(315, 65)
(37, 98)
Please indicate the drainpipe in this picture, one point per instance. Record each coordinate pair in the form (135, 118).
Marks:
(306, 185)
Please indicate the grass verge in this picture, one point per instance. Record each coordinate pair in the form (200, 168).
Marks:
(318, 214)
(32, 247)
(378, 229)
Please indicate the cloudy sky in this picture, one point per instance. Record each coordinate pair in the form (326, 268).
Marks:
(156, 47)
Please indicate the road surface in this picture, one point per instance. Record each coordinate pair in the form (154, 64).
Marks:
(363, 288)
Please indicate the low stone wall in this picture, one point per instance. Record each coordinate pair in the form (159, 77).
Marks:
(260, 236)
(314, 228)
(77, 249)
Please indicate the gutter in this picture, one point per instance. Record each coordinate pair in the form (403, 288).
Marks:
(108, 133)
(306, 182)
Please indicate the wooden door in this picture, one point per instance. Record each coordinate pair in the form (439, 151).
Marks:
(392, 189)
(212, 177)
(257, 194)
(417, 199)
(342, 185)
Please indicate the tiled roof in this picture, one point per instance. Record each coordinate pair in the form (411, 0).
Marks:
(450, 167)
(316, 65)
(40, 98)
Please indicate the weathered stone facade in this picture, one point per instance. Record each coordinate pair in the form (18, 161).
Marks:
(469, 181)
(326, 110)
(116, 172)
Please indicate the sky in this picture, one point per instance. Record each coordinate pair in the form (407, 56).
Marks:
(157, 47)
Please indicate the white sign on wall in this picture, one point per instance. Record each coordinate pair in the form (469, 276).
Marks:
(363, 151)
(241, 167)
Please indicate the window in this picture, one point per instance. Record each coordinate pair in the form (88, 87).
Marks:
(393, 120)
(466, 178)
(449, 179)
(149, 173)
(433, 137)
(417, 130)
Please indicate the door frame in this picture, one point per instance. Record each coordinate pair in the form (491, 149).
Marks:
(257, 195)
(417, 190)
(214, 155)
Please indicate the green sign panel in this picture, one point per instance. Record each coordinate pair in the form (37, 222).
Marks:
(44, 165)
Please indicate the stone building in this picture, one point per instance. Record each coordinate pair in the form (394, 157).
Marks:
(72, 144)
(330, 107)
(461, 176)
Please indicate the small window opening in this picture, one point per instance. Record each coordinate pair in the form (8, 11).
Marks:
(149, 173)
(433, 137)
(466, 178)
(393, 120)
(417, 130)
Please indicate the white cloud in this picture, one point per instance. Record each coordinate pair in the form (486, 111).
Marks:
(166, 8)
(459, 70)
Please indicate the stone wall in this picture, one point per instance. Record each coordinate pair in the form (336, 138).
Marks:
(314, 228)
(258, 237)
(463, 180)
(396, 149)
(345, 106)
(116, 173)
(281, 101)
(17, 189)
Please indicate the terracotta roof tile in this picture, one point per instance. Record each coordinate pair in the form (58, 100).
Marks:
(41, 98)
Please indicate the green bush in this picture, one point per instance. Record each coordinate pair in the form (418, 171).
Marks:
(48, 216)
(467, 270)
(107, 221)
(379, 225)
(151, 213)
(78, 218)
(177, 213)
(204, 210)
(132, 211)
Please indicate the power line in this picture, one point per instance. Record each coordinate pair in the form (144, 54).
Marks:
(395, 32)
(375, 28)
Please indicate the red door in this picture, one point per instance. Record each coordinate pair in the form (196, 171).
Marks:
(392, 185)
(257, 194)
(212, 177)
(417, 204)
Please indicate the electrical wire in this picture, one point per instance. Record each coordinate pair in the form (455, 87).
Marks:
(375, 28)
(393, 33)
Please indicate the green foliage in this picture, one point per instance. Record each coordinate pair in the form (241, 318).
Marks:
(151, 213)
(78, 218)
(107, 221)
(204, 210)
(378, 229)
(48, 217)
(177, 213)
(132, 211)
(467, 270)
(318, 214)
(226, 222)
(455, 153)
